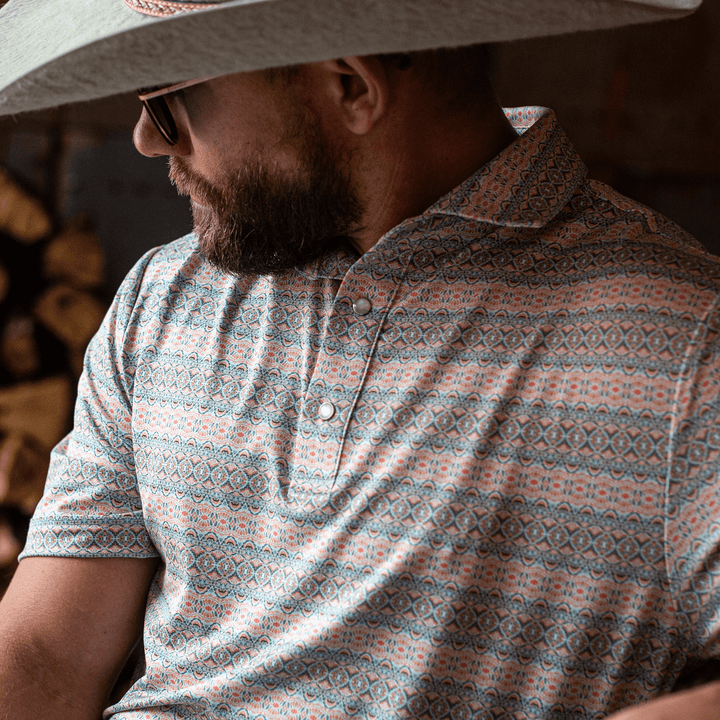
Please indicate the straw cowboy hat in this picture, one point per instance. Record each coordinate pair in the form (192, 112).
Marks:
(60, 51)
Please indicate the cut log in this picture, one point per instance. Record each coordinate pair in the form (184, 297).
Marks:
(23, 469)
(21, 215)
(71, 315)
(75, 256)
(18, 348)
(40, 410)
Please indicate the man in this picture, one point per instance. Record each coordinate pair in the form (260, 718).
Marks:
(420, 422)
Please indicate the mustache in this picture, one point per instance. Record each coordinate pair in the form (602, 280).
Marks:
(188, 182)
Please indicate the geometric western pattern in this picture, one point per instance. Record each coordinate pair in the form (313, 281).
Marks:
(509, 509)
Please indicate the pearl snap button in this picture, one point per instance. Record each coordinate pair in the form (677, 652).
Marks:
(362, 306)
(326, 411)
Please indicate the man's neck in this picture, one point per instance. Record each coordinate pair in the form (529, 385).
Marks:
(407, 169)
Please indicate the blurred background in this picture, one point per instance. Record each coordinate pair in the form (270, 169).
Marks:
(78, 205)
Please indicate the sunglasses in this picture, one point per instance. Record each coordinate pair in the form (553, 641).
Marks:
(153, 99)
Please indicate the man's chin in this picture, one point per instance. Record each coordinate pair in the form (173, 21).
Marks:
(242, 251)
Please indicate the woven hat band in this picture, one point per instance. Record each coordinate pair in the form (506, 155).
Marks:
(165, 8)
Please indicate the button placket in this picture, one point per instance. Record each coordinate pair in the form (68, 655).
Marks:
(337, 378)
(353, 326)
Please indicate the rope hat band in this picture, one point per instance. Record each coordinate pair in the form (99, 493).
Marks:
(161, 8)
(165, 8)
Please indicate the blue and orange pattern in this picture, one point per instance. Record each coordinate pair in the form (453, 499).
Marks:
(507, 508)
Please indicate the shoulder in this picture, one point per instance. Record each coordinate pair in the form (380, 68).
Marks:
(165, 274)
(182, 257)
(629, 254)
(602, 206)
(596, 213)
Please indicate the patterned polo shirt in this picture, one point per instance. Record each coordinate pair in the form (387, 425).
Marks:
(471, 474)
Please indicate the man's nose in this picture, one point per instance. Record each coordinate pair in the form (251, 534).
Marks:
(151, 143)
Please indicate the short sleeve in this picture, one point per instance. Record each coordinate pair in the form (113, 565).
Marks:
(91, 506)
(693, 499)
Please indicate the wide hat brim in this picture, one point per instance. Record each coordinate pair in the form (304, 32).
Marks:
(54, 52)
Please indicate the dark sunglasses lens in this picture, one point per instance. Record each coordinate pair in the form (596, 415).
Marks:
(162, 117)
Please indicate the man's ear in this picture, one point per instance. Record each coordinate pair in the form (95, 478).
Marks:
(359, 89)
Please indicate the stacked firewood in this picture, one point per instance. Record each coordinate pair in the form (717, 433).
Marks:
(49, 310)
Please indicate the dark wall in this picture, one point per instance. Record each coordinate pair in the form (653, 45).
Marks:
(641, 104)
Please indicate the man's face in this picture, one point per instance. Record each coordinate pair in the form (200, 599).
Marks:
(270, 191)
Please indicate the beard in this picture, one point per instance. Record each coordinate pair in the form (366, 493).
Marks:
(261, 219)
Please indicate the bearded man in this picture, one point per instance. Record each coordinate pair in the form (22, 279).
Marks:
(418, 423)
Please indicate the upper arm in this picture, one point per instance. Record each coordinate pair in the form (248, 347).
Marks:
(66, 628)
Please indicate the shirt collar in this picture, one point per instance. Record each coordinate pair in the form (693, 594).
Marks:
(528, 183)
